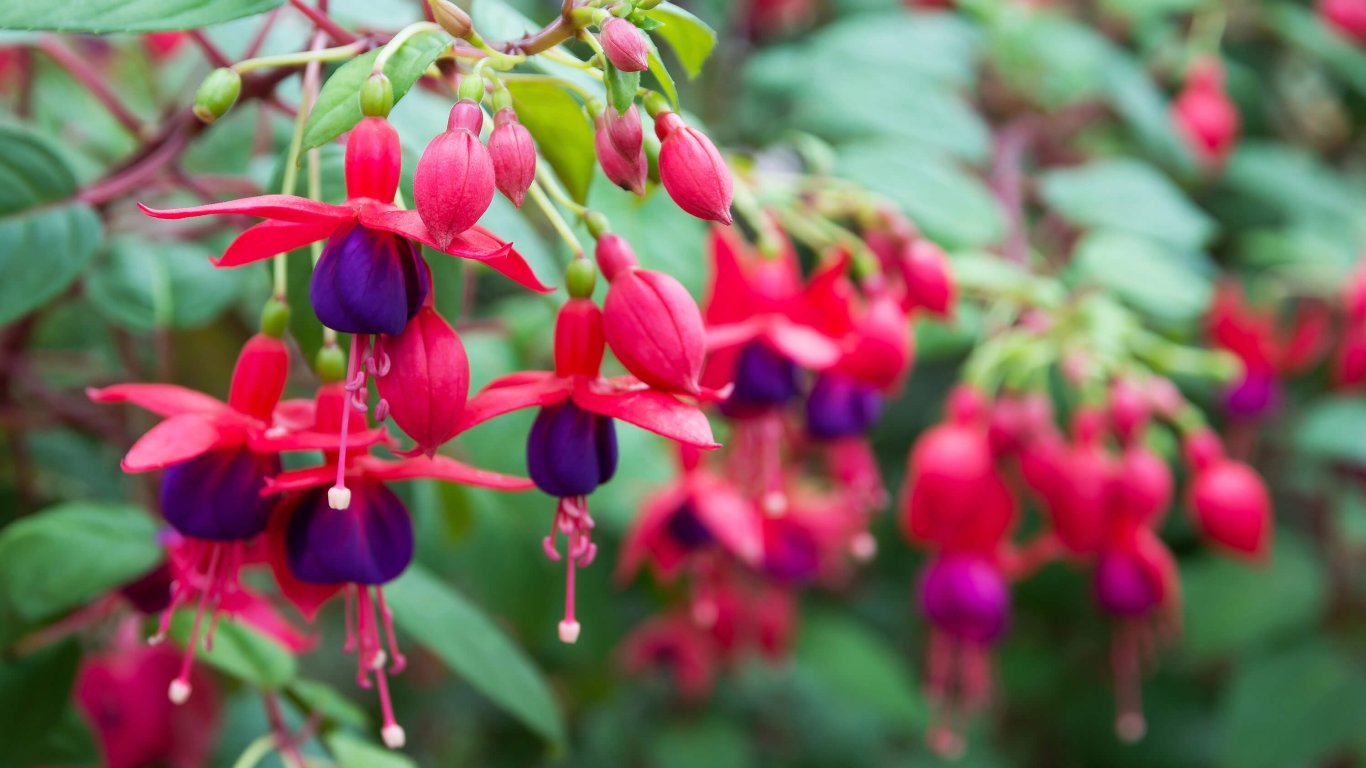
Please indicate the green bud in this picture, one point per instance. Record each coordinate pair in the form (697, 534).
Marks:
(330, 363)
(275, 318)
(472, 88)
(502, 99)
(376, 96)
(597, 222)
(217, 94)
(580, 278)
(646, 5)
(652, 157)
(655, 103)
(622, 11)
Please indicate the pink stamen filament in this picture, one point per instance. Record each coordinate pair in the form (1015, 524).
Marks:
(571, 519)
(1125, 658)
(399, 662)
(216, 581)
(339, 497)
(370, 655)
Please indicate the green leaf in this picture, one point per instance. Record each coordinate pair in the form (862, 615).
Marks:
(1331, 431)
(621, 87)
(31, 171)
(562, 131)
(98, 547)
(1300, 185)
(126, 15)
(689, 37)
(68, 741)
(41, 253)
(714, 742)
(1053, 59)
(1129, 196)
(475, 648)
(858, 667)
(352, 752)
(949, 204)
(338, 107)
(1235, 607)
(1308, 32)
(661, 74)
(1153, 278)
(1146, 110)
(239, 651)
(143, 285)
(34, 691)
(1297, 707)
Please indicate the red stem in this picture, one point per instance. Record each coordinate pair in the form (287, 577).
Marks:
(214, 54)
(92, 80)
(324, 22)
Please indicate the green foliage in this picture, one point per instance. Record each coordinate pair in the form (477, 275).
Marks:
(238, 650)
(37, 723)
(562, 131)
(1129, 196)
(689, 37)
(126, 16)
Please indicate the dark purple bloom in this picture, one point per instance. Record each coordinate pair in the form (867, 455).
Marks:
(841, 407)
(570, 451)
(369, 542)
(368, 281)
(217, 495)
(763, 378)
(687, 529)
(1123, 586)
(791, 552)
(966, 597)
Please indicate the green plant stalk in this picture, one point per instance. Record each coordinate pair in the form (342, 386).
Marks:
(340, 53)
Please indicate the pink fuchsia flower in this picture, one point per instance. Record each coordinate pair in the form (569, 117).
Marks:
(1204, 114)
(370, 278)
(571, 449)
(1228, 499)
(873, 330)
(621, 149)
(692, 170)
(121, 690)
(676, 644)
(624, 45)
(513, 153)
(454, 182)
(1268, 350)
(650, 321)
(318, 547)
(428, 383)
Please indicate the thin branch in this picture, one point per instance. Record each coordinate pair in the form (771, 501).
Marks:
(92, 81)
(324, 22)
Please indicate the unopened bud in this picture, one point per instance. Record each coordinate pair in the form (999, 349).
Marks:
(580, 278)
(376, 96)
(217, 94)
(452, 18)
(275, 318)
(624, 45)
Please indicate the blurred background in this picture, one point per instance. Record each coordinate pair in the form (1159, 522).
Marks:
(916, 104)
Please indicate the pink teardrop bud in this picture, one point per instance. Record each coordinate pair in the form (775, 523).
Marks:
(373, 160)
(625, 130)
(1204, 114)
(624, 45)
(692, 170)
(1232, 507)
(428, 379)
(651, 321)
(882, 349)
(929, 283)
(626, 170)
(513, 154)
(454, 182)
(579, 342)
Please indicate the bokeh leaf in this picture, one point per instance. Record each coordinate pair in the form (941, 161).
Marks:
(1130, 196)
(689, 37)
(239, 650)
(563, 133)
(143, 285)
(126, 15)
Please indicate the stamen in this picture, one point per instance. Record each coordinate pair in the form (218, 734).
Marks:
(569, 627)
(339, 496)
(863, 546)
(382, 410)
(1130, 724)
(179, 691)
(400, 663)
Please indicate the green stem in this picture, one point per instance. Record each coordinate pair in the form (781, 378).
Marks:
(557, 221)
(403, 36)
(552, 186)
(301, 57)
(256, 752)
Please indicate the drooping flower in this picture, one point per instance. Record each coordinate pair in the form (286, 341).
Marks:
(572, 446)
(1228, 499)
(454, 182)
(1204, 114)
(1348, 17)
(676, 644)
(624, 45)
(692, 170)
(621, 157)
(371, 278)
(513, 153)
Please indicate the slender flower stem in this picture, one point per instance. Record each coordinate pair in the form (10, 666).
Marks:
(324, 22)
(291, 171)
(255, 752)
(553, 188)
(567, 85)
(259, 38)
(338, 53)
(402, 37)
(92, 81)
(557, 221)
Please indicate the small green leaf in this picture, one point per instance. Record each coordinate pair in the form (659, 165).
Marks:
(338, 107)
(562, 131)
(1153, 278)
(31, 171)
(143, 285)
(239, 650)
(714, 742)
(475, 648)
(126, 15)
(352, 752)
(621, 87)
(690, 37)
(1129, 196)
(857, 666)
(99, 547)
(661, 74)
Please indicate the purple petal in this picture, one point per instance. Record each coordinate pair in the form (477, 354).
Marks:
(686, 528)
(570, 451)
(1123, 587)
(763, 378)
(217, 495)
(839, 407)
(369, 542)
(966, 597)
(791, 554)
(367, 281)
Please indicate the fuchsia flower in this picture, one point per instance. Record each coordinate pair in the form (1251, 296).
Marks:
(454, 182)
(429, 380)
(513, 153)
(572, 446)
(1204, 114)
(1228, 499)
(677, 644)
(619, 142)
(624, 45)
(651, 322)
(1268, 351)
(371, 278)
(692, 170)
(319, 547)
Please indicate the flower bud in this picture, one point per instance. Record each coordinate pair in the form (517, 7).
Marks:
(692, 170)
(373, 160)
(625, 170)
(1204, 114)
(929, 283)
(275, 318)
(625, 130)
(1143, 486)
(579, 343)
(882, 351)
(454, 182)
(452, 18)
(1232, 507)
(651, 321)
(624, 45)
(428, 380)
(513, 154)
(217, 94)
(376, 96)
(258, 379)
